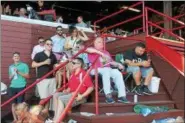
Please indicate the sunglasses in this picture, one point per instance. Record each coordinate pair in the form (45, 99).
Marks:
(59, 30)
(41, 42)
(49, 44)
(75, 63)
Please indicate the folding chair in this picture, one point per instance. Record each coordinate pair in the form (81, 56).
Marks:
(126, 75)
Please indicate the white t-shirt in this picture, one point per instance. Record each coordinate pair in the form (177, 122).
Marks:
(36, 50)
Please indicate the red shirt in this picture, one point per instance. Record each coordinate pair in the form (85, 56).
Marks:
(75, 81)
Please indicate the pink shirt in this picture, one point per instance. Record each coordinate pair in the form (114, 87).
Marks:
(36, 50)
(100, 61)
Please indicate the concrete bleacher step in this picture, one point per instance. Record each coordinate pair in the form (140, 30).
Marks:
(130, 97)
(129, 117)
(121, 107)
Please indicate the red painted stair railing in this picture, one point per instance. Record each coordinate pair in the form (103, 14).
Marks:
(171, 56)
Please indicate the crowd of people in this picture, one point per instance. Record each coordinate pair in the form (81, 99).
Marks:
(41, 12)
(50, 53)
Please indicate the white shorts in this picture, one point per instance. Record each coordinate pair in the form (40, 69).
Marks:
(46, 87)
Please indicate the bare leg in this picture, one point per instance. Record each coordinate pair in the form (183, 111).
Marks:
(55, 103)
(149, 77)
(13, 112)
(137, 77)
(59, 78)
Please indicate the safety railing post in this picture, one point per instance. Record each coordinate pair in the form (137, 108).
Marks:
(64, 77)
(146, 13)
(143, 6)
(96, 90)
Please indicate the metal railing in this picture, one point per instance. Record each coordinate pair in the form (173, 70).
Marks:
(123, 22)
(39, 80)
(149, 23)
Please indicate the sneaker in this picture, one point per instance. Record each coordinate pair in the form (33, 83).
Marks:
(146, 90)
(109, 100)
(123, 100)
(138, 90)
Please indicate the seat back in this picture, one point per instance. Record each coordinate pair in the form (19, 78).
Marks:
(120, 58)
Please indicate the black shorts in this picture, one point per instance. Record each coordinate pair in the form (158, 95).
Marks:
(14, 91)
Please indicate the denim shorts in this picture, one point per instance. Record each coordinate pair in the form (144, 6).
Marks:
(14, 91)
(144, 71)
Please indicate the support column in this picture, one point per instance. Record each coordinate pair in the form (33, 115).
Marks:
(167, 9)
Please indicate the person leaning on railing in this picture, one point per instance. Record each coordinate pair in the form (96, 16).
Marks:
(62, 98)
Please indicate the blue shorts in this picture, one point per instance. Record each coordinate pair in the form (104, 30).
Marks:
(144, 71)
(14, 91)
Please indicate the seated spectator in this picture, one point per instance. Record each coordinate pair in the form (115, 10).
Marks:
(18, 73)
(104, 68)
(59, 19)
(7, 10)
(22, 13)
(75, 37)
(84, 56)
(16, 12)
(38, 48)
(58, 41)
(21, 111)
(80, 22)
(111, 38)
(38, 114)
(140, 66)
(62, 99)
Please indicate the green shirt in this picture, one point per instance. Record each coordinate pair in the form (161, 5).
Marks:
(18, 81)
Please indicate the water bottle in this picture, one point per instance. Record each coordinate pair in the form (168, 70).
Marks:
(135, 98)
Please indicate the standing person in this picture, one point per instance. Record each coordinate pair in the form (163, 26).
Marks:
(58, 43)
(104, 68)
(80, 22)
(45, 62)
(38, 48)
(18, 73)
(140, 66)
(73, 39)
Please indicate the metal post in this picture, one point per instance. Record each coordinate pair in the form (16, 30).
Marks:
(96, 89)
(146, 13)
(143, 5)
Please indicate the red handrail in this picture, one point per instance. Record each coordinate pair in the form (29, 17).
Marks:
(75, 93)
(123, 22)
(115, 13)
(159, 22)
(177, 28)
(165, 30)
(121, 37)
(171, 18)
(170, 55)
(46, 75)
(96, 90)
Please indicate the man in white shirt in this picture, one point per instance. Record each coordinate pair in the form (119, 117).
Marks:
(58, 41)
(38, 48)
